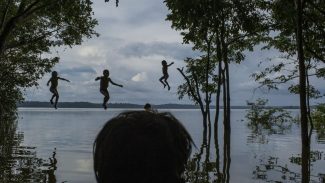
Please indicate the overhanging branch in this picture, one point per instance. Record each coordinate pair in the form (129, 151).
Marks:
(192, 90)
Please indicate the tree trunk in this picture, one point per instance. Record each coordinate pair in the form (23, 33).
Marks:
(207, 98)
(226, 156)
(226, 88)
(227, 95)
(303, 93)
(219, 56)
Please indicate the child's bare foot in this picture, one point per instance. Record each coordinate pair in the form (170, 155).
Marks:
(51, 101)
(105, 107)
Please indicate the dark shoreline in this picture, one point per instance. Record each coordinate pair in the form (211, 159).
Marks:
(128, 105)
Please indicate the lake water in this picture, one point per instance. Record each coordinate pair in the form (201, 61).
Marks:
(70, 133)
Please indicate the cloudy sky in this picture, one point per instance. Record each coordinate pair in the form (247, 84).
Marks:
(134, 38)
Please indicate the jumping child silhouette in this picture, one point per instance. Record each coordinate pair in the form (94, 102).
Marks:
(54, 84)
(104, 81)
(165, 73)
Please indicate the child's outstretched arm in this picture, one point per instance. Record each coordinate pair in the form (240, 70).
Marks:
(64, 79)
(98, 78)
(170, 64)
(115, 83)
(49, 81)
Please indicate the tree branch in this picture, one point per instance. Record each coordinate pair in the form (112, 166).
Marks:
(11, 24)
(32, 10)
(320, 58)
(282, 82)
(197, 87)
(24, 42)
(192, 91)
(240, 37)
(312, 19)
(4, 16)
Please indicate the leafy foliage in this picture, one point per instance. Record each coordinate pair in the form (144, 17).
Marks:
(195, 70)
(242, 21)
(283, 15)
(221, 31)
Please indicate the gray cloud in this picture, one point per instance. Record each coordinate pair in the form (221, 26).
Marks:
(174, 50)
(78, 70)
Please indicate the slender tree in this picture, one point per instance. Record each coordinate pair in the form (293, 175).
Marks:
(195, 86)
(221, 30)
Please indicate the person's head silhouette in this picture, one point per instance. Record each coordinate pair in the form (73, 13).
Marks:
(106, 73)
(147, 107)
(141, 147)
(54, 74)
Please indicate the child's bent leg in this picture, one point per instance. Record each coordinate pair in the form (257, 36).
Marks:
(161, 80)
(166, 77)
(52, 90)
(52, 99)
(167, 84)
(106, 97)
(56, 94)
(56, 101)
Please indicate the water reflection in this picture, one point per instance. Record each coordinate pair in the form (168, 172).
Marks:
(205, 167)
(318, 117)
(201, 169)
(51, 178)
(320, 131)
(272, 169)
(20, 163)
(264, 122)
(211, 160)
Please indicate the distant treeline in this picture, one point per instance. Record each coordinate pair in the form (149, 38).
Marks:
(127, 105)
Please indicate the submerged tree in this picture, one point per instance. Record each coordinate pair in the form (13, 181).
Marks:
(270, 120)
(318, 116)
(299, 29)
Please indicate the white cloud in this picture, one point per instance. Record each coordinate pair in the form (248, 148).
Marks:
(140, 77)
(91, 51)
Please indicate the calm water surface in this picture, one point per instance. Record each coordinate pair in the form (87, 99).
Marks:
(254, 157)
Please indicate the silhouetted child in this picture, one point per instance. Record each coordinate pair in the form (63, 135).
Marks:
(142, 147)
(147, 107)
(165, 76)
(54, 85)
(104, 82)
